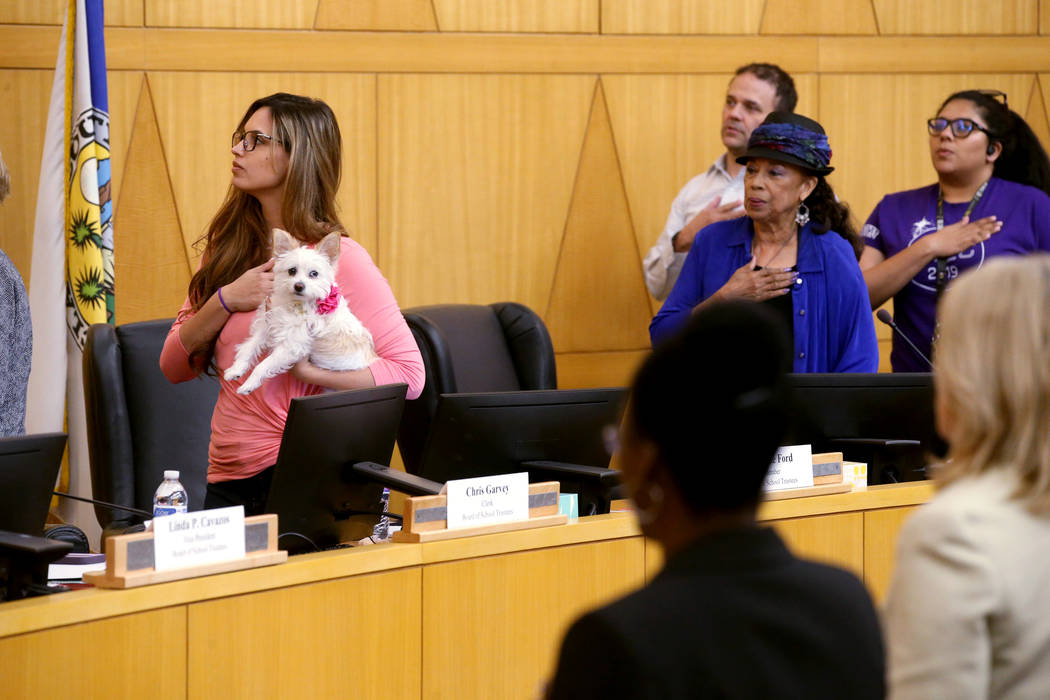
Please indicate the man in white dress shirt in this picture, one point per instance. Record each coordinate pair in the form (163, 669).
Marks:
(718, 194)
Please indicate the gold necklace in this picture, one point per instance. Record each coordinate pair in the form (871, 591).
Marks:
(778, 250)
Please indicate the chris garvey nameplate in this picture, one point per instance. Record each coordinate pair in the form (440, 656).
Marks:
(487, 499)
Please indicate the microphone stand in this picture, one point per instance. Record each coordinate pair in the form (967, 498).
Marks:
(884, 316)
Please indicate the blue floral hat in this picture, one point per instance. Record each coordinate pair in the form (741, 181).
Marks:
(793, 139)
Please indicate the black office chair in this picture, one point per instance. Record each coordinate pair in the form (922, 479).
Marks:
(467, 348)
(140, 424)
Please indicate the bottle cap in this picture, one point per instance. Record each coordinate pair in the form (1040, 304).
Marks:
(171, 473)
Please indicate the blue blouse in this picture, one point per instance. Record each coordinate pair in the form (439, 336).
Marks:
(833, 326)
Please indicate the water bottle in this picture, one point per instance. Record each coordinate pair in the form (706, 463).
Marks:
(381, 531)
(170, 497)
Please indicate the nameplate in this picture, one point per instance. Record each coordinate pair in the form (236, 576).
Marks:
(487, 499)
(791, 468)
(201, 537)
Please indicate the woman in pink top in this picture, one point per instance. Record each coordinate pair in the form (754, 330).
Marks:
(286, 163)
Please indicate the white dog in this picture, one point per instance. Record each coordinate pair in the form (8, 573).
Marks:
(305, 316)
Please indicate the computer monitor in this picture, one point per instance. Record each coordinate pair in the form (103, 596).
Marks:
(28, 469)
(480, 434)
(312, 491)
(885, 420)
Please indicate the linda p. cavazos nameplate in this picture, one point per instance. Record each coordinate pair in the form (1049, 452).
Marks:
(485, 500)
(791, 468)
(200, 537)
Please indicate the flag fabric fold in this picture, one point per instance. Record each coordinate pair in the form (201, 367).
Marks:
(71, 278)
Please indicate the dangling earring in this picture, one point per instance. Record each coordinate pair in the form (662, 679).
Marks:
(647, 514)
(802, 215)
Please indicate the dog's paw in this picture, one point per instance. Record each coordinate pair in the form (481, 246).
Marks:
(248, 387)
(234, 372)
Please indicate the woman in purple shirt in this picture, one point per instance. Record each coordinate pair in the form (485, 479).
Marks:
(991, 198)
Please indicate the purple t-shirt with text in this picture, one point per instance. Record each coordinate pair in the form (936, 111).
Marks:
(902, 218)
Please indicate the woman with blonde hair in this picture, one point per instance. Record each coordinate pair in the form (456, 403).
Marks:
(968, 613)
(285, 175)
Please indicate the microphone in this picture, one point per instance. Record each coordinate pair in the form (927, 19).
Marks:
(884, 316)
(104, 504)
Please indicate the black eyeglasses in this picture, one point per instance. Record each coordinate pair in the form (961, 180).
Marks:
(250, 139)
(961, 128)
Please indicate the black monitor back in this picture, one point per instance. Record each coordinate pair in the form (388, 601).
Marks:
(480, 434)
(851, 413)
(313, 492)
(28, 469)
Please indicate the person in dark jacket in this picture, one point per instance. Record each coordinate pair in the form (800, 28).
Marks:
(733, 614)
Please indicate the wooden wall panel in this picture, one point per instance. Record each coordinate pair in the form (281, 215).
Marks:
(329, 639)
(133, 656)
(150, 257)
(587, 370)
(463, 188)
(262, 14)
(599, 300)
(124, 88)
(681, 17)
(26, 94)
(198, 112)
(940, 55)
(876, 126)
(833, 539)
(881, 528)
(965, 17)
(667, 130)
(818, 17)
(883, 333)
(475, 177)
(521, 604)
(33, 11)
(377, 15)
(1036, 114)
(125, 13)
(115, 12)
(517, 15)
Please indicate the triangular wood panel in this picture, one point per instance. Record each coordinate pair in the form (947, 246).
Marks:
(150, 260)
(475, 177)
(377, 15)
(813, 17)
(124, 88)
(660, 149)
(599, 301)
(1036, 114)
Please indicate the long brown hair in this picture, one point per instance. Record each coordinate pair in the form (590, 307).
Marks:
(237, 238)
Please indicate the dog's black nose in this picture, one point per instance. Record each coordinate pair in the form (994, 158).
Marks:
(299, 287)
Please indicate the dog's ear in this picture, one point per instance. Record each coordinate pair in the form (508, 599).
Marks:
(329, 247)
(283, 242)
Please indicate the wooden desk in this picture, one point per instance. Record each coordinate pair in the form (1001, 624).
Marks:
(473, 618)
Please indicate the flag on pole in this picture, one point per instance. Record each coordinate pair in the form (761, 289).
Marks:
(71, 278)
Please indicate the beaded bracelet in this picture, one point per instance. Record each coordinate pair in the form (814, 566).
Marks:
(223, 302)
